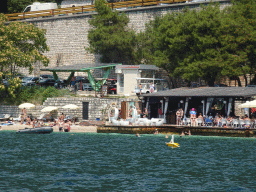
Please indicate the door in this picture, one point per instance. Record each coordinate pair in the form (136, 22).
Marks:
(123, 110)
(86, 110)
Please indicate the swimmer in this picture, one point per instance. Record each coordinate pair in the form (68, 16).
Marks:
(166, 136)
(182, 134)
(137, 135)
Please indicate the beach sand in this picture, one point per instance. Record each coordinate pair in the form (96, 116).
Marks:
(74, 128)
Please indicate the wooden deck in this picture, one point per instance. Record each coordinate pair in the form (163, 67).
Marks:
(174, 129)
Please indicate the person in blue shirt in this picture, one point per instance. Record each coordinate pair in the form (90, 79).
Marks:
(193, 117)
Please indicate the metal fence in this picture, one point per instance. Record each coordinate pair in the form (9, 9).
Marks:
(88, 9)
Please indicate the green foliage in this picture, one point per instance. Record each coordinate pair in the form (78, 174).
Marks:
(206, 44)
(110, 36)
(36, 95)
(21, 45)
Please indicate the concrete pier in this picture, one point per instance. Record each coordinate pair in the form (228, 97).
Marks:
(174, 129)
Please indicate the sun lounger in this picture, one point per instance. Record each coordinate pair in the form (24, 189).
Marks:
(42, 116)
(17, 118)
(4, 117)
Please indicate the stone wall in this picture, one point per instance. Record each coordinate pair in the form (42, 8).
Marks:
(96, 106)
(67, 35)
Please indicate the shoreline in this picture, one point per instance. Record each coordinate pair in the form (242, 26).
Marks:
(74, 128)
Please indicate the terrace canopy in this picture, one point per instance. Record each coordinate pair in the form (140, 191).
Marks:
(82, 68)
(205, 100)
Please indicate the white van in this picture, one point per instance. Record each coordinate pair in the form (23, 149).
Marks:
(37, 6)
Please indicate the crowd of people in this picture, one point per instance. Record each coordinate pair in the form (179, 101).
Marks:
(217, 120)
(61, 123)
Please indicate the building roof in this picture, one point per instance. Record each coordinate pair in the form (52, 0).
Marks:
(142, 67)
(206, 92)
(80, 67)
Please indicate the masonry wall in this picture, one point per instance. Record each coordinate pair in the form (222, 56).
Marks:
(67, 35)
(96, 107)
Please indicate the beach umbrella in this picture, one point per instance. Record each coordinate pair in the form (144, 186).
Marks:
(248, 104)
(70, 106)
(26, 105)
(49, 109)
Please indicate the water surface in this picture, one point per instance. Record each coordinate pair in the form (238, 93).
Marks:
(118, 162)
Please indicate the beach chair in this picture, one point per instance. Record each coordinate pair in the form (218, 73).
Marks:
(17, 118)
(200, 122)
(235, 123)
(42, 117)
(248, 124)
(208, 122)
(4, 117)
(241, 123)
(69, 117)
(187, 122)
(223, 122)
(229, 124)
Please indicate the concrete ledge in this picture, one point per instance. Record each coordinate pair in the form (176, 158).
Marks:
(173, 129)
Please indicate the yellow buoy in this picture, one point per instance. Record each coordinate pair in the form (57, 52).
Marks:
(172, 144)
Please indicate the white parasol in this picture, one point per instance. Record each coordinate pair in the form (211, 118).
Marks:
(49, 109)
(26, 105)
(248, 104)
(70, 106)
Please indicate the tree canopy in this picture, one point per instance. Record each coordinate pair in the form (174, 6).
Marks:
(21, 45)
(208, 44)
(110, 37)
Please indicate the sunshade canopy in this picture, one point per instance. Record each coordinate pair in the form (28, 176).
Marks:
(248, 104)
(26, 105)
(49, 109)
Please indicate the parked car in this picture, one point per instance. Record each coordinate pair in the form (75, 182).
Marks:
(87, 87)
(60, 83)
(29, 81)
(47, 82)
(112, 89)
(46, 77)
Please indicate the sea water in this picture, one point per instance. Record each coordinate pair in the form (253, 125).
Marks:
(119, 162)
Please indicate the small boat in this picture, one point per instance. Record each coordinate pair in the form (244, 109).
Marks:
(37, 130)
(172, 144)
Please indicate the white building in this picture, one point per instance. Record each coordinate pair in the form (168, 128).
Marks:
(127, 76)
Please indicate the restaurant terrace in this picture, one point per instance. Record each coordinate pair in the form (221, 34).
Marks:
(205, 100)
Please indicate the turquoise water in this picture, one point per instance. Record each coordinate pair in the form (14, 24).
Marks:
(115, 162)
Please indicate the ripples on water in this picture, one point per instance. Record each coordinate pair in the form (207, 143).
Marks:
(115, 162)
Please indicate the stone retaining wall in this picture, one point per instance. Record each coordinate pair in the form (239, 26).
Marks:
(67, 35)
(96, 106)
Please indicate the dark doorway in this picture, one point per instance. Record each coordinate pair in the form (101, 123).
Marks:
(85, 110)
(154, 110)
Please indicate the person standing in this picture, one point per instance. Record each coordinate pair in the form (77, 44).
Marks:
(145, 114)
(178, 117)
(152, 87)
(24, 111)
(140, 87)
(193, 117)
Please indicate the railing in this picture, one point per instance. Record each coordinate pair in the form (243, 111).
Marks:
(87, 9)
